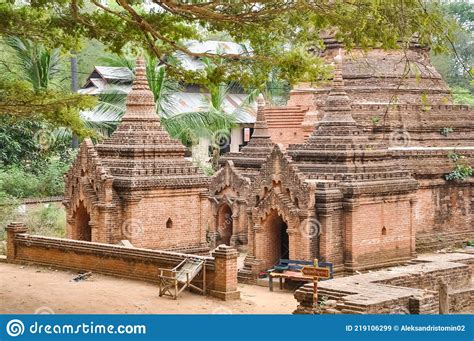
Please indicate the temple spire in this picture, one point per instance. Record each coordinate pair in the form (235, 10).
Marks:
(254, 154)
(260, 127)
(140, 100)
(337, 121)
(140, 139)
(338, 104)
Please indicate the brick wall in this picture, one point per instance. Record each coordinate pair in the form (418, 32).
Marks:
(332, 239)
(461, 301)
(135, 263)
(286, 135)
(458, 275)
(170, 219)
(443, 216)
(285, 124)
(421, 124)
(268, 240)
(380, 234)
(380, 121)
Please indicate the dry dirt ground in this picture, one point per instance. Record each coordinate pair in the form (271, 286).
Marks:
(33, 289)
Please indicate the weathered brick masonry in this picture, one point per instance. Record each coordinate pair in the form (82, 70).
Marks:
(231, 186)
(135, 263)
(412, 113)
(364, 189)
(137, 184)
(351, 172)
(339, 197)
(412, 289)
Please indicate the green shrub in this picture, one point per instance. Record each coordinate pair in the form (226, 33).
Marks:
(8, 212)
(48, 220)
(470, 243)
(42, 182)
(446, 131)
(455, 157)
(15, 182)
(375, 120)
(463, 96)
(51, 181)
(460, 173)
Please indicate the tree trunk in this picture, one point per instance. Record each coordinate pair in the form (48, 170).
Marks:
(74, 88)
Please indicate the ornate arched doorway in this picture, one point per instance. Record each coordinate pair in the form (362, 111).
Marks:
(276, 239)
(82, 228)
(224, 224)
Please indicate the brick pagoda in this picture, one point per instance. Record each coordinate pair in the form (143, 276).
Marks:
(353, 173)
(338, 197)
(137, 185)
(410, 113)
(232, 184)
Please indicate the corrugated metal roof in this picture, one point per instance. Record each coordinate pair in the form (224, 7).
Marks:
(99, 86)
(120, 78)
(211, 46)
(115, 73)
(192, 102)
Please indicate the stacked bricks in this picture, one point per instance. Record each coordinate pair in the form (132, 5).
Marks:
(225, 279)
(12, 230)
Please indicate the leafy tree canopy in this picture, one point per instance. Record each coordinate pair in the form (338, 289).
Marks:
(56, 107)
(456, 66)
(278, 33)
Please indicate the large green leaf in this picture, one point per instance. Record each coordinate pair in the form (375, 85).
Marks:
(38, 65)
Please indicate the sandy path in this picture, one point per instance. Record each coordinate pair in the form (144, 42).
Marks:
(25, 289)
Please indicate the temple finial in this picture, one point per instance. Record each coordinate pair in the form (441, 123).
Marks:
(140, 81)
(260, 100)
(338, 81)
(338, 104)
(140, 100)
(260, 107)
(260, 127)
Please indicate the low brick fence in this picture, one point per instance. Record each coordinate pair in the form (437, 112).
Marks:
(45, 200)
(129, 262)
(37, 201)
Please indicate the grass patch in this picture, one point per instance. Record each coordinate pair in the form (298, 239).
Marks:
(45, 220)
